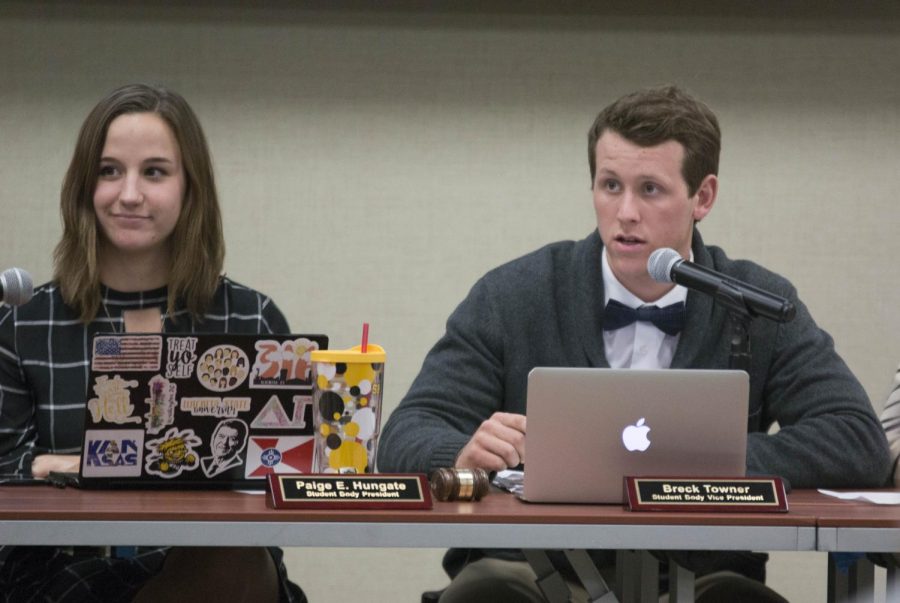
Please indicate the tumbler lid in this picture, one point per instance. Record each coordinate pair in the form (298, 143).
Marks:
(375, 353)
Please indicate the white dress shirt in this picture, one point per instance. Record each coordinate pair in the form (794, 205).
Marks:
(639, 345)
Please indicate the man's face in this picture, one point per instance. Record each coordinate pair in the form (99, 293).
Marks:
(225, 442)
(642, 204)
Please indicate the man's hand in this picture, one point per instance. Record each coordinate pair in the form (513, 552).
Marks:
(498, 443)
(61, 463)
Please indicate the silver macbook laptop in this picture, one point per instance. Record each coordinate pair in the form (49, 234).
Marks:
(588, 428)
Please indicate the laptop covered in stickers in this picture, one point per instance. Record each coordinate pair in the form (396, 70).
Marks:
(197, 410)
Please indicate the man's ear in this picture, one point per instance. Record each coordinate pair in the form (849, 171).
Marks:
(705, 196)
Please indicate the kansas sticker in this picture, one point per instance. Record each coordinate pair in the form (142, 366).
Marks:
(112, 453)
(291, 454)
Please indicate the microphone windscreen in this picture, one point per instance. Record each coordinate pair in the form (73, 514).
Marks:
(17, 286)
(661, 263)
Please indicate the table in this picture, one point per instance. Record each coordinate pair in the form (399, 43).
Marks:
(853, 527)
(42, 515)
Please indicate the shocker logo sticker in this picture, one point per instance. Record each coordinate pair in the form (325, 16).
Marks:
(173, 453)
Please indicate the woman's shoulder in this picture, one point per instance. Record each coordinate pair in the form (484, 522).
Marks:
(46, 305)
(240, 293)
(242, 304)
(29, 325)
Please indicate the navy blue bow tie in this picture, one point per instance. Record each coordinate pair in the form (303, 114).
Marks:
(669, 320)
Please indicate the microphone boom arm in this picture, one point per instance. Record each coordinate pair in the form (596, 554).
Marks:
(739, 315)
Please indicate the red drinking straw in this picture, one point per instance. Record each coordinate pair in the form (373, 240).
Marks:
(365, 338)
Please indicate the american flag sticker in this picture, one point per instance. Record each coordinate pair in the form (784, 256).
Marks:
(127, 353)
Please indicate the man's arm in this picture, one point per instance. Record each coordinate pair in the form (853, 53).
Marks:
(458, 392)
(829, 435)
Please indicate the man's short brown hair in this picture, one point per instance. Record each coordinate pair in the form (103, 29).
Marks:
(651, 117)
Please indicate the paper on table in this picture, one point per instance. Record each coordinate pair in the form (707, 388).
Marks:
(878, 498)
(510, 480)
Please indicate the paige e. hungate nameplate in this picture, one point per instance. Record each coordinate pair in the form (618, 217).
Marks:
(349, 491)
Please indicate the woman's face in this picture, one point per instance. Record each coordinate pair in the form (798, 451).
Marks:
(141, 184)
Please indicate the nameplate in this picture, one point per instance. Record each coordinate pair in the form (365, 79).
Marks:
(727, 495)
(361, 491)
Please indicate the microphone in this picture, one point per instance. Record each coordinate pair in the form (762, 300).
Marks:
(667, 266)
(16, 286)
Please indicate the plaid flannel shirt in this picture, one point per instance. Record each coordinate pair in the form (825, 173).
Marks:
(45, 357)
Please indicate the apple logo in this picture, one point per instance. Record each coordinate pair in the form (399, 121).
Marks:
(635, 436)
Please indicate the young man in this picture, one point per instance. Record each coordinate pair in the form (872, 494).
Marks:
(653, 159)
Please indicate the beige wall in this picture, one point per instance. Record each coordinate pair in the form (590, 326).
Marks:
(373, 162)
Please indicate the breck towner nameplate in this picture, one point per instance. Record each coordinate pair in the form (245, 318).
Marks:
(348, 491)
(727, 495)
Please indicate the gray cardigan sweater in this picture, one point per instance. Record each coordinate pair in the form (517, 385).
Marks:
(546, 309)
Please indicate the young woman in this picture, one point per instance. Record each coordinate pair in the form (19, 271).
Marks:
(142, 250)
